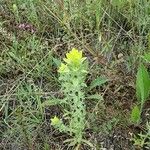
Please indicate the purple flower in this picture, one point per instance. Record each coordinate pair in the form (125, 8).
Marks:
(26, 27)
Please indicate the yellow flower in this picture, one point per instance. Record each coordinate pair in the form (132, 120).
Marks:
(63, 68)
(74, 56)
(55, 121)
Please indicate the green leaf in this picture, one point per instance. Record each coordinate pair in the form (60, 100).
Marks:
(95, 96)
(14, 57)
(51, 102)
(135, 114)
(118, 3)
(88, 143)
(142, 84)
(71, 142)
(57, 62)
(98, 82)
(147, 57)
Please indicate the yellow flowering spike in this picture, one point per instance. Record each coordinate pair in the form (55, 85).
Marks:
(55, 121)
(74, 56)
(63, 68)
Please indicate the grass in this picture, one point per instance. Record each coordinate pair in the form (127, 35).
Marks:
(112, 34)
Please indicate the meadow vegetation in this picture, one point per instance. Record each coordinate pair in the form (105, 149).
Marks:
(74, 74)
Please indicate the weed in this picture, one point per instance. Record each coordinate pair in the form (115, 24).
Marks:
(143, 139)
(72, 76)
(142, 92)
